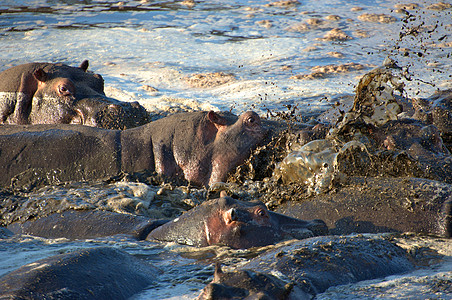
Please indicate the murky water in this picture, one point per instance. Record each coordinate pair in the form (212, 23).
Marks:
(238, 55)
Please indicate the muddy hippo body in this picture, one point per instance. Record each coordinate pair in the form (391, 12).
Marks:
(47, 154)
(46, 93)
(248, 284)
(202, 147)
(93, 273)
(86, 224)
(437, 110)
(381, 205)
(312, 266)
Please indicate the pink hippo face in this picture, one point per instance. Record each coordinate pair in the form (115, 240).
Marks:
(234, 223)
(240, 225)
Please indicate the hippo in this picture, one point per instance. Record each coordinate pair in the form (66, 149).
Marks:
(226, 221)
(92, 273)
(248, 284)
(371, 205)
(47, 93)
(86, 224)
(234, 223)
(310, 267)
(202, 147)
(437, 110)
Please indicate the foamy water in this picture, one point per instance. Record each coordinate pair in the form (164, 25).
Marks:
(159, 44)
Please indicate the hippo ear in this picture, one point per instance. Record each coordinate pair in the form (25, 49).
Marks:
(40, 75)
(218, 272)
(216, 118)
(84, 65)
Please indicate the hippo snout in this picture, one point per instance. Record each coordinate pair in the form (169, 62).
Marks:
(108, 113)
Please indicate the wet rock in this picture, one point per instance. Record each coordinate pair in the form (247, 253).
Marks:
(283, 3)
(406, 5)
(335, 34)
(378, 18)
(324, 71)
(439, 6)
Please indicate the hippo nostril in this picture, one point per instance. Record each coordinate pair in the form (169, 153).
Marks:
(231, 216)
(114, 107)
(80, 117)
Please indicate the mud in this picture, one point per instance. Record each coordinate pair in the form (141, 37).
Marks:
(335, 34)
(325, 71)
(209, 80)
(284, 3)
(377, 18)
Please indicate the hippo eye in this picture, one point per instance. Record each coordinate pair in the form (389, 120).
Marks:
(64, 90)
(261, 212)
(250, 121)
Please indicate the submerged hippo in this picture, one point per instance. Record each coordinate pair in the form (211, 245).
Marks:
(248, 284)
(311, 266)
(381, 205)
(224, 221)
(46, 93)
(202, 147)
(236, 224)
(93, 273)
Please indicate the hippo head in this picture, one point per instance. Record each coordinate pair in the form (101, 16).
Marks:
(109, 113)
(72, 95)
(56, 88)
(240, 224)
(234, 143)
(248, 284)
(234, 223)
(53, 100)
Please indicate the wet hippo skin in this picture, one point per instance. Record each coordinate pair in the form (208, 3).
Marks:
(84, 224)
(234, 223)
(226, 221)
(381, 205)
(309, 267)
(201, 147)
(93, 273)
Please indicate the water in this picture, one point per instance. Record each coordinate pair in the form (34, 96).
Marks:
(159, 43)
(147, 51)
